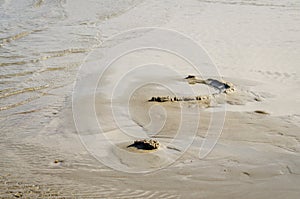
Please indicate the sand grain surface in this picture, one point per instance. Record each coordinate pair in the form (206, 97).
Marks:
(253, 44)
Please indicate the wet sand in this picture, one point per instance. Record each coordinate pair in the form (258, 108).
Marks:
(257, 156)
(43, 155)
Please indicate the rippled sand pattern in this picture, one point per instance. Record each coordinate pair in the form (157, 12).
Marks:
(255, 45)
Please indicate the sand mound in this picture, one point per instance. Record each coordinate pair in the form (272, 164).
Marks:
(145, 144)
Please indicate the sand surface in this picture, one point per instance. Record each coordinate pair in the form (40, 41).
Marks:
(244, 144)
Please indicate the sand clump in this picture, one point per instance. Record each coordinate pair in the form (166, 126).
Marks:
(145, 144)
(222, 86)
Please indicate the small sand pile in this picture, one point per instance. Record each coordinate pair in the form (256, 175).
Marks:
(145, 144)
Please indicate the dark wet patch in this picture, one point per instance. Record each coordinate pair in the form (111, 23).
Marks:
(246, 173)
(261, 112)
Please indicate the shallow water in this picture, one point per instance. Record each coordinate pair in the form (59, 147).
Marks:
(42, 43)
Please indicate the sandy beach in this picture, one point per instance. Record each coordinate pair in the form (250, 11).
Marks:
(216, 83)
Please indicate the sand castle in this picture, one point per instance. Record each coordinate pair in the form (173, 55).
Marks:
(221, 86)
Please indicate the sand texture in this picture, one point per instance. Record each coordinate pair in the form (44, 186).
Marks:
(220, 115)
